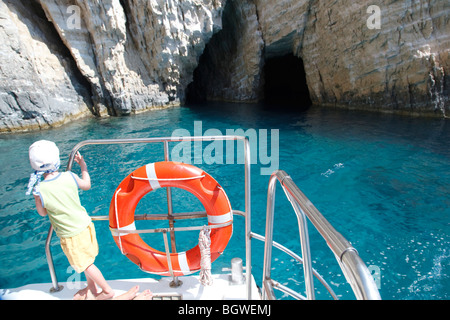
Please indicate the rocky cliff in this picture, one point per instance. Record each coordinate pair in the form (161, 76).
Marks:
(396, 59)
(40, 84)
(401, 65)
(63, 59)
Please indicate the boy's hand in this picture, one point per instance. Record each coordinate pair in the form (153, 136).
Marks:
(79, 158)
(85, 182)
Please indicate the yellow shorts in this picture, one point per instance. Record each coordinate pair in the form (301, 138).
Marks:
(81, 249)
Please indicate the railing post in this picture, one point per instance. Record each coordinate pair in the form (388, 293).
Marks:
(248, 219)
(267, 288)
(169, 203)
(176, 282)
(304, 237)
(306, 253)
(354, 269)
(56, 287)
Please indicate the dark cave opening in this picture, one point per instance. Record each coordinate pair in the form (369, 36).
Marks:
(195, 92)
(285, 83)
(222, 72)
(281, 82)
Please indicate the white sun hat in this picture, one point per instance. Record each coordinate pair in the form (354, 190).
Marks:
(44, 156)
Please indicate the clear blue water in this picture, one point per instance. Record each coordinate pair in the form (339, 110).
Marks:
(382, 180)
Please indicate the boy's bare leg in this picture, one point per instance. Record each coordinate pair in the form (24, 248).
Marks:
(93, 274)
(91, 285)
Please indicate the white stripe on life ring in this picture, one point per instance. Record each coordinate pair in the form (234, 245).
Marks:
(220, 219)
(116, 233)
(182, 260)
(151, 174)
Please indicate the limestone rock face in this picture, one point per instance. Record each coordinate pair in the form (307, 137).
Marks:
(39, 84)
(63, 59)
(231, 65)
(395, 59)
(128, 55)
(136, 54)
(402, 66)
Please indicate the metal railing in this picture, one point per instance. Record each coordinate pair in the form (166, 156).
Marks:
(170, 215)
(354, 269)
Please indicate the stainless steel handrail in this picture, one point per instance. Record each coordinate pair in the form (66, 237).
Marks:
(171, 216)
(304, 242)
(354, 269)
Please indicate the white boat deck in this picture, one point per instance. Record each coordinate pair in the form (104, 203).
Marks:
(191, 289)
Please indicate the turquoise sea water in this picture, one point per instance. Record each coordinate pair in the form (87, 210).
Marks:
(381, 180)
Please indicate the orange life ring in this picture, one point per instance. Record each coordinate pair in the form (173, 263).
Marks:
(169, 174)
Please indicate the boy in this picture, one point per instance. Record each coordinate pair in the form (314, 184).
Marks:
(57, 196)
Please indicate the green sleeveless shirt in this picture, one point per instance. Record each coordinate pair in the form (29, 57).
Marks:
(60, 197)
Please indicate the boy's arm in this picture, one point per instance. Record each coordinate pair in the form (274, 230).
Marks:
(40, 209)
(84, 183)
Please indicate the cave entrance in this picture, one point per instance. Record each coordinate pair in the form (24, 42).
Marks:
(196, 91)
(285, 83)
